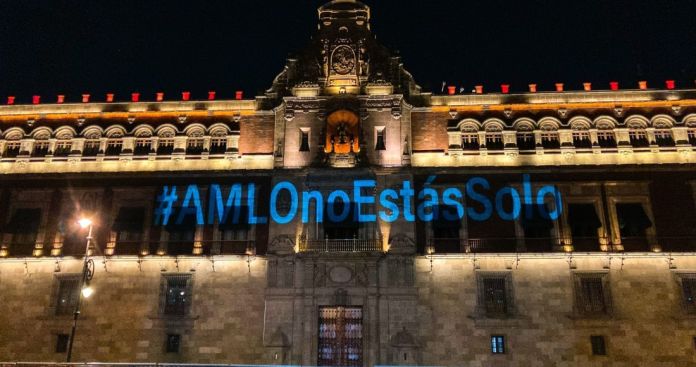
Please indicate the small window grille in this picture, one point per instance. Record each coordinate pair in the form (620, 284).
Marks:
(599, 347)
(663, 137)
(194, 146)
(68, 295)
(142, 146)
(177, 294)
(173, 343)
(549, 140)
(304, 141)
(470, 140)
(11, 149)
(494, 295)
(688, 284)
(62, 343)
(494, 140)
(591, 296)
(497, 344)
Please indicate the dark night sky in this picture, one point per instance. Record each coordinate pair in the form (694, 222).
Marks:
(71, 47)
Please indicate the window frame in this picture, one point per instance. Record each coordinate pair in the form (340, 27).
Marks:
(498, 344)
(68, 309)
(173, 310)
(581, 300)
(482, 308)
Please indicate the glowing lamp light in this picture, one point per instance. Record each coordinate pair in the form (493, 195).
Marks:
(451, 89)
(60, 98)
(185, 96)
(211, 95)
(10, 99)
(159, 96)
(238, 95)
(643, 84)
(614, 85)
(135, 97)
(84, 222)
(85, 98)
(109, 97)
(478, 89)
(532, 88)
(36, 99)
(669, 84)
(87, 291)
(559, 87)
(505, 88)
(587, 86)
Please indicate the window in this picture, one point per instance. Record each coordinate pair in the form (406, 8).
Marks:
(691, 133)
(218, 145)
(234, 232)
(91, 148)
(113, 147)
(63, 148)
(68, 295)
(688, 285)
(495, 295)
(304, 140)
(173, 343)
(62, 343)
(24, 226)
(663, 137)
(181, 235)
(591, 296)
(470, 139)
(584, 223)
(11, 149)
(606, 138)
(633, 221)
(194, 146)
(549, 139)
(379, 140)
(128, 227)
(638, 138)
(599, 347)
(446, 225)
(165, 146)
(40, 148)
(497, 344)
(177, 294)
(581, 139)
(142, 146)
(525, 140)
(494, 140)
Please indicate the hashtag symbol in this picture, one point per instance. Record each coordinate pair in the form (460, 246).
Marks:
(165, 202)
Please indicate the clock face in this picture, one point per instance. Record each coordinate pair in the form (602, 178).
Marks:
(343, 60)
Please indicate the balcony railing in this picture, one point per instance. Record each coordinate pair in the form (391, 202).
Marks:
(180, 247)
(341, 245)
(550, 244)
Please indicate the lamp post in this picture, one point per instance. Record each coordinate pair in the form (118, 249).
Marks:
(85, 289)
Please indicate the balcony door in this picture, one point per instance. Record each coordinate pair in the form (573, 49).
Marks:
(340, 336)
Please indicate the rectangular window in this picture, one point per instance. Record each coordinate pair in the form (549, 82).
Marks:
(63, 148)
(584, 224)
(40, 148)
(549, 140)
(688, 285)
(599, 347)
(691, 133)
(633, 222)
(525, 140)
(218, 145)
(494, 140)
(165, 146)
(173, 343)
(194, 146)
(581, 139)
(591, 296)
(379, 140)
(470, 140)
(495, 294)
(606, 138)
(177, 294)
(663, 137)
(128, 227)
(90, 148)
(113, 147)
(304, 140)
(62, 343)
(24, 226)
(497, 344)
(67, 295)
(11, 149)
(638, 138)
(142, 146)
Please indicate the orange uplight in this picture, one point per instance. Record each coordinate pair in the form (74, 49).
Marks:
(159, 96)
(60, 98)
(532, 88)
(451, 89)
(559, 87)
(642, 84)
(479, 89)
(587, 86)
(109, 97)
(85, 98)
(342, 128)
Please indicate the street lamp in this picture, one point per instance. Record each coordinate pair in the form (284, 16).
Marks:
(85, 289)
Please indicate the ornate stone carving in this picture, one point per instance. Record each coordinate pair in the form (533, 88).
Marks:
(282, 244)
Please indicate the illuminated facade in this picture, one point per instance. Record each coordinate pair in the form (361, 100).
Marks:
(612, 279)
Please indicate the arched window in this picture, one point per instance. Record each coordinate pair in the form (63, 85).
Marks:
(470, 140)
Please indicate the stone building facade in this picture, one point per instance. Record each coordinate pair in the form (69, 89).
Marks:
(610, 281)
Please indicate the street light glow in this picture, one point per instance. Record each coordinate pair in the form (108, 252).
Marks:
(87, 291)
(84, 222)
